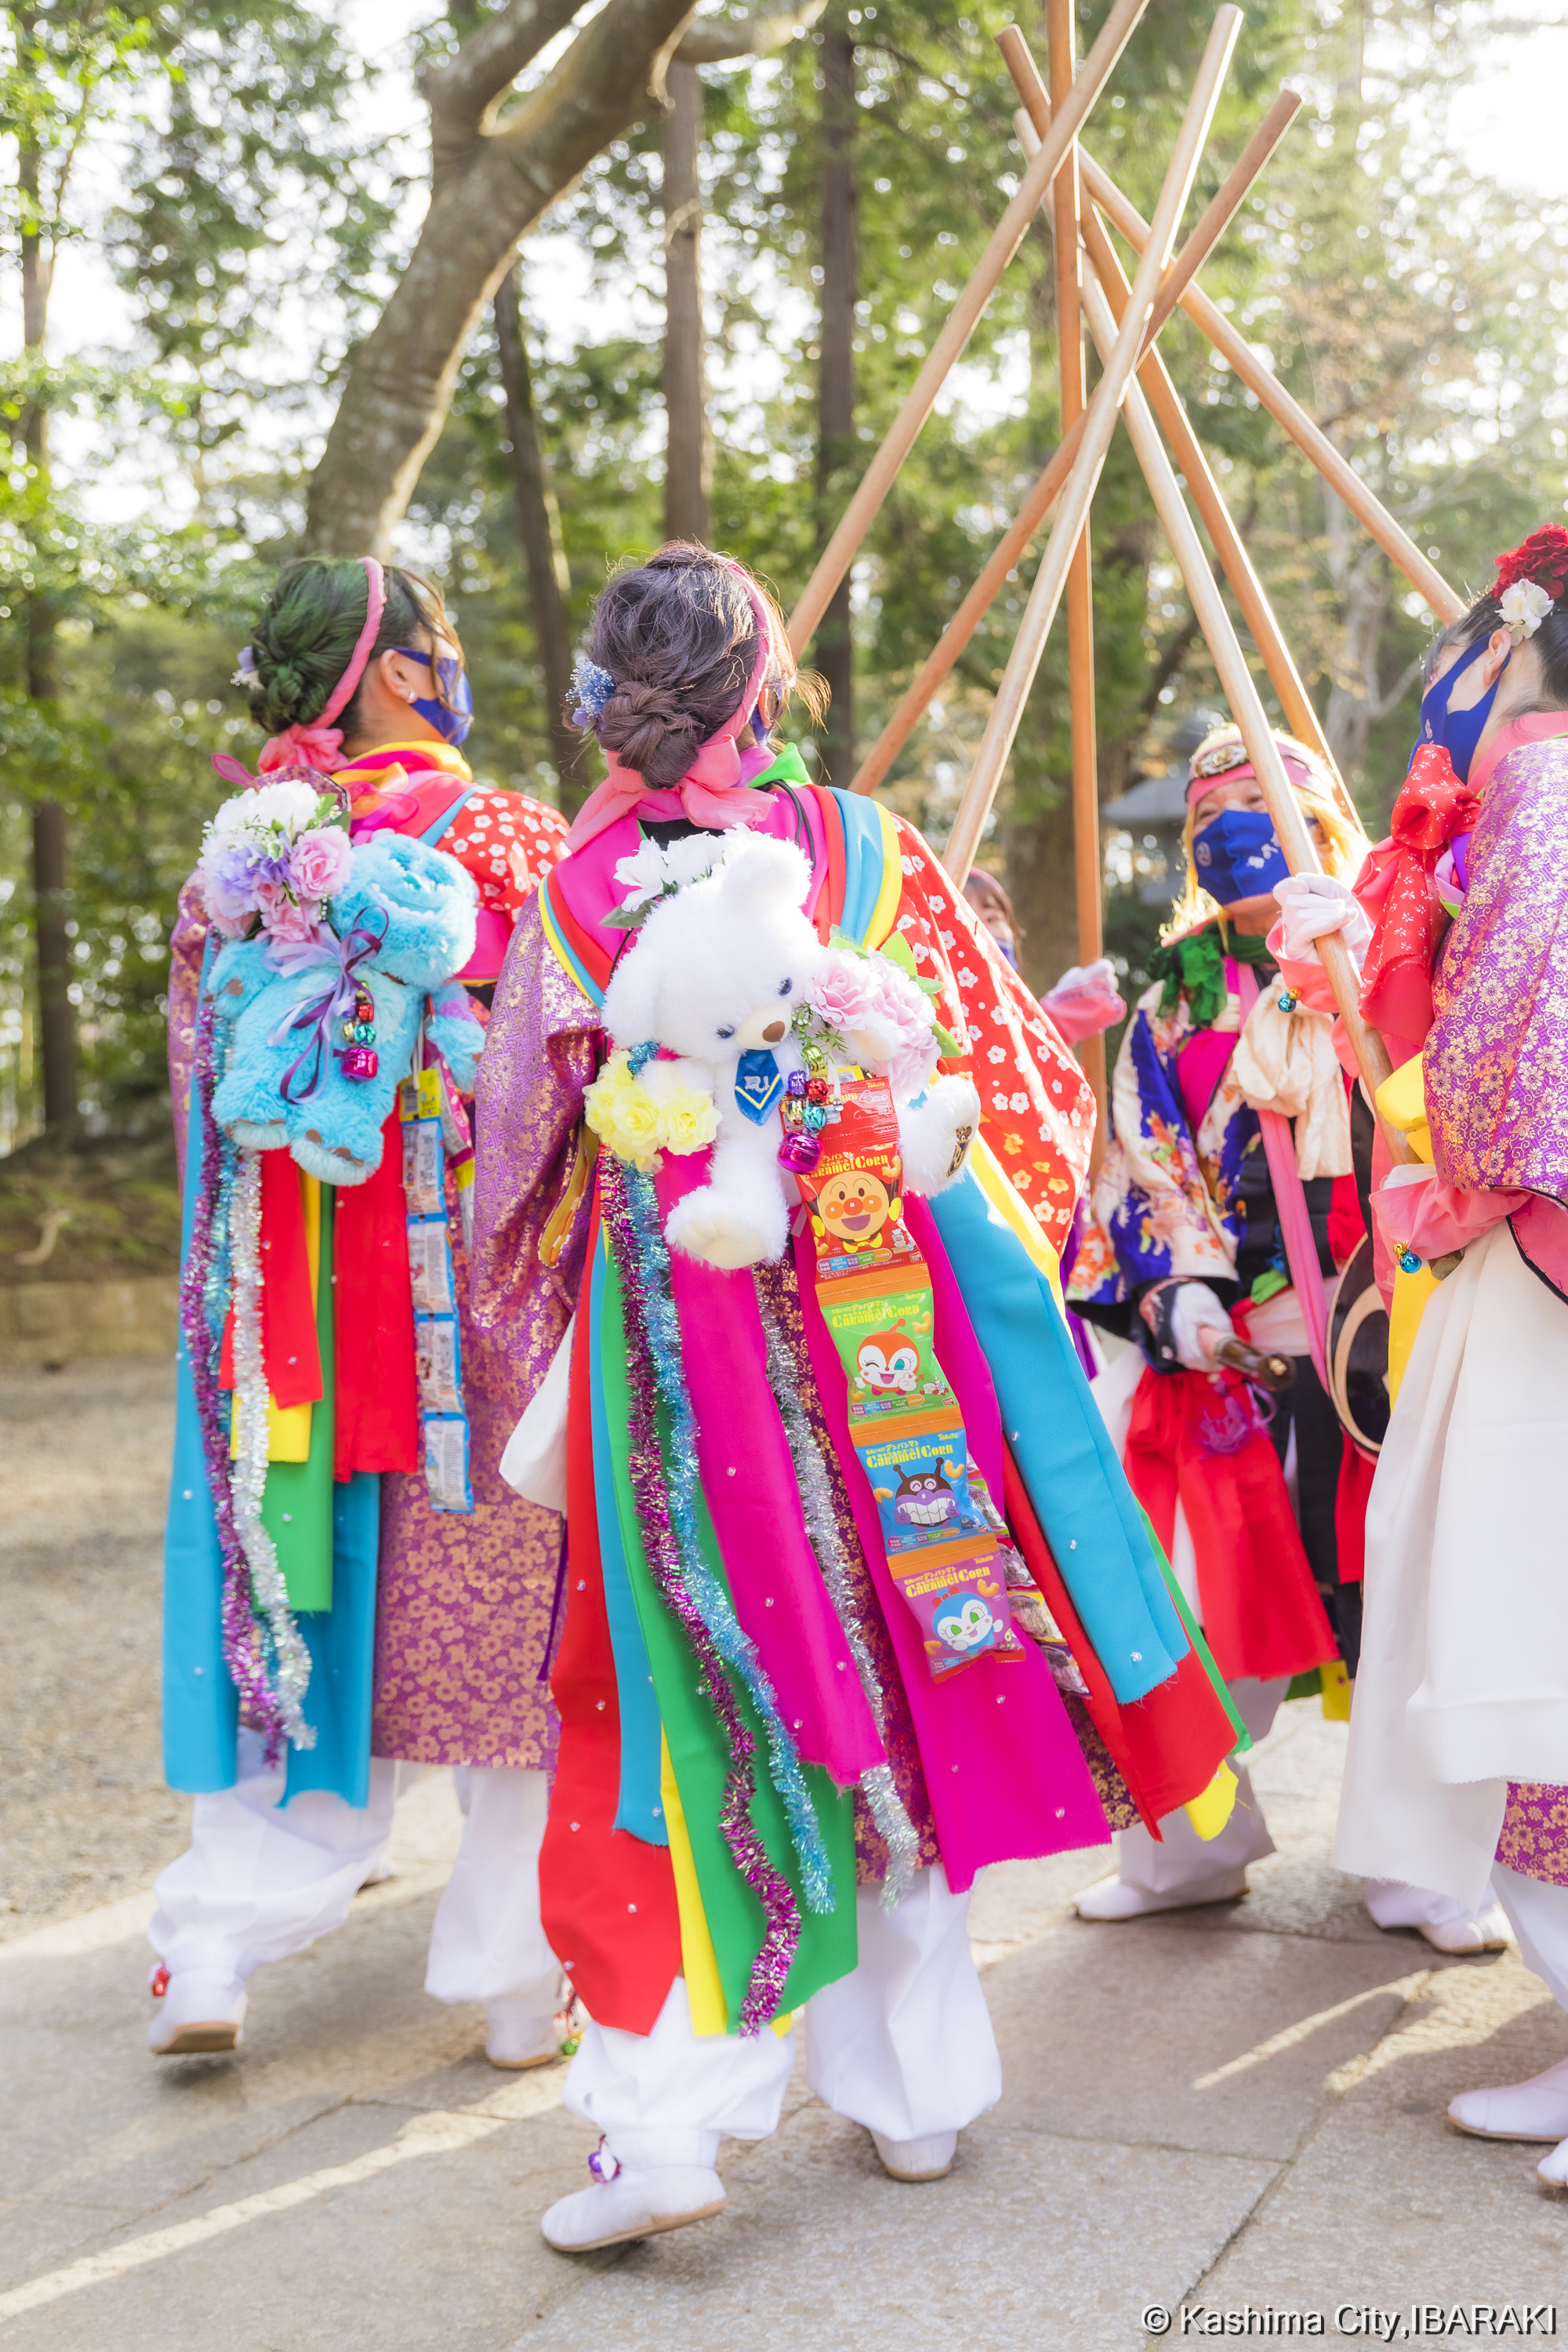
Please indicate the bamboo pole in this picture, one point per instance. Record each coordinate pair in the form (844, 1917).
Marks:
(1079, 582)
(1241, 693)
(1192, 465)
(1006, 239)
(1098, 424)
(1313, 443)
(1013, 543)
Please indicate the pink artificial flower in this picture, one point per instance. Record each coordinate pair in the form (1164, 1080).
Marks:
(282, 918)
(870, 1001)
(844, 991)
(318, 862)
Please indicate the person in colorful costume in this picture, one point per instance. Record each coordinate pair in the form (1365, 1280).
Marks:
(758, 1808)
(1225, 1207)
(420, 1589)
(1458, 1768)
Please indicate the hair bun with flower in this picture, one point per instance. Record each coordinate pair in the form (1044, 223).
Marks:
(1530, 580)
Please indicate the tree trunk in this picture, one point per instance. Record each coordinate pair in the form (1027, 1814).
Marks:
(544, 549)
(835, 649)
(689, 460)
(1039, 863)
(485, 199)
(57, 1026)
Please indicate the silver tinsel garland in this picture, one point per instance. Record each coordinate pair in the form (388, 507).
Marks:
(291, 1658)
(898, 1833)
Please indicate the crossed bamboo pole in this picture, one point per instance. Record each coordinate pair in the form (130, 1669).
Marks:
(1006, 239)
(1010, 549)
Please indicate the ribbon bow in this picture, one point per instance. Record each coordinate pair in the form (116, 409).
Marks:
(318, 1015)
(1394, 887)
(307, 747)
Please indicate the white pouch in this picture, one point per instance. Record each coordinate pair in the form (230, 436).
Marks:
(534, 1462)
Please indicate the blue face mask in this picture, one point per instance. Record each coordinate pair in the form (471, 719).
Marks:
(1459, 731)
(1237, 856)
(453, 715)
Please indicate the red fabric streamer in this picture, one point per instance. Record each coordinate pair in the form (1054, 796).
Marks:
(289, 1355)
(1357, 1471)
(1189, 1441)
(1394, 887)
(588, 1870)
(377, 1417)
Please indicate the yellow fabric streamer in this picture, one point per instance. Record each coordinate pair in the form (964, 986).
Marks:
(993, 1182)
(1402, 1101)
(1209, 1811)
(699, 1962)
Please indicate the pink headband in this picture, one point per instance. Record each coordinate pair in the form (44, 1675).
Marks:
(1297, 769)
(320, 745)
(707, 791)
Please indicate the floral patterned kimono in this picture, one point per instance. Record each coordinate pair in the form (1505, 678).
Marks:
(426, 1630)
(716, 1804)
(1185, 1191)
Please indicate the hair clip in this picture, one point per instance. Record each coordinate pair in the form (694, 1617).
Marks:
(593, 688)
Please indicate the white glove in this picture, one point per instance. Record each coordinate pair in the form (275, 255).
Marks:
(1101, 974)
(1085, 1001)
(1198, 1323)
(1314, 905)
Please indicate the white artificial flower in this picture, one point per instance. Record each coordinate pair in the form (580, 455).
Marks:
(292, 805)
(1525, 605)
(652, 870)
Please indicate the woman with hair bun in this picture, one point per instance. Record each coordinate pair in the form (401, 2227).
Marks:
(1226, 1210)
(777, 1775)
(421, 1586)
(1457, 1767)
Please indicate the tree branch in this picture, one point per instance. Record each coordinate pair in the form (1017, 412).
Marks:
(715, 40)
(476, 76)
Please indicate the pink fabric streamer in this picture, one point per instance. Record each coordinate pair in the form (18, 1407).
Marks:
(1289, 1201)
(707, 791)
(748, 1484)
(320, 745)
(1006, 1778)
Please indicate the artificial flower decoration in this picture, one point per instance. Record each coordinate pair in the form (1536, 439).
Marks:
(1542, 559)
(1525, 605)
(275, 853)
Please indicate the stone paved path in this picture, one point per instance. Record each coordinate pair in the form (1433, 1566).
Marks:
(1240, 2109)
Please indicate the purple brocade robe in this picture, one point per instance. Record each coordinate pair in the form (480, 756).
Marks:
(1496, 1061)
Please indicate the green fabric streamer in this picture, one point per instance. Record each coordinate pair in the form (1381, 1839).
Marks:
(789, 768)
(297, 1502)
(700, 1754)
(1194, 966)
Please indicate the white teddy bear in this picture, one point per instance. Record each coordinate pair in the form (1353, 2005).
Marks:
(714, 977)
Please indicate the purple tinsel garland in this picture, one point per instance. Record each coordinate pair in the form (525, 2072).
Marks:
(764, 1993)
(242, 1645)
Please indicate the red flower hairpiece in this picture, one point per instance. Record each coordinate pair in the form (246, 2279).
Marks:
(1542, 557)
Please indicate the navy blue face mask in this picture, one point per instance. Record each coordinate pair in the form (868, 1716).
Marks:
(1237, 856)
(453, 715)
(1459, 731)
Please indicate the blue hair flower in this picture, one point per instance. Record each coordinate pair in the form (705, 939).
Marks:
(593, 688)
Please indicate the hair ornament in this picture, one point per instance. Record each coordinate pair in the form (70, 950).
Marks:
(1218, 759)
(1541, 559)
(1525, 604)
(245, 672)
(593, 688)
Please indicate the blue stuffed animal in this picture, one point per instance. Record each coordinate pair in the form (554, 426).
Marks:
(403, 925)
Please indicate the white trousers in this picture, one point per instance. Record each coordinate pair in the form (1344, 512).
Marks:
(261, 1880)
(1538, 1914)
(903, 2046)
(1178, 1857)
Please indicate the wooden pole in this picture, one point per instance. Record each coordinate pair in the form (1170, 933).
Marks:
(1006, 239)
(1011, 547)
(1341, 477)
(1098, 424)
(1079, 582)
(1165, 402)
(1240, 691)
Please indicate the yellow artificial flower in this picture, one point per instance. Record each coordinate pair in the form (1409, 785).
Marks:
(687, 1121)
(624, 1115)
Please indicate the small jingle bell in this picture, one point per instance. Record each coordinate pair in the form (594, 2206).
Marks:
(348, 1032)
(817, 1090)
(795, 1083)
(816, 1118)
(360, 1062)
(1409, 1262)
(364, 1032)
(799, 1153)
(1289, 1001)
